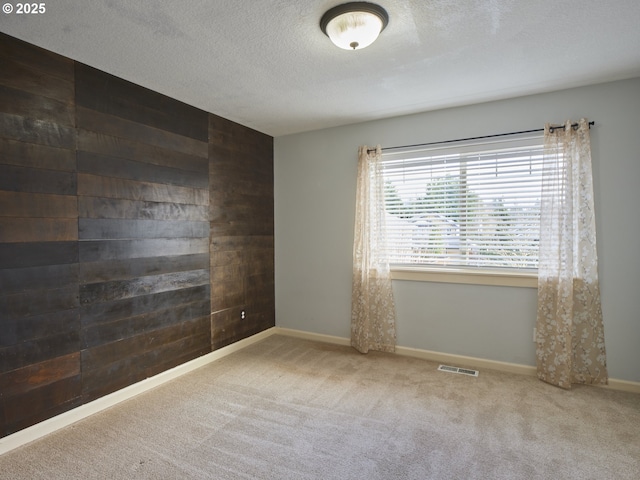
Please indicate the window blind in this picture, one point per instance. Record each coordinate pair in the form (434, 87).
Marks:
(465, 205)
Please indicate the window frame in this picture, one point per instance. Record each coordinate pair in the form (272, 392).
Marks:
(511, 277)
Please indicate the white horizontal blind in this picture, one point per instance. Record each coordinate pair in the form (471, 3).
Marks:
(465, 206)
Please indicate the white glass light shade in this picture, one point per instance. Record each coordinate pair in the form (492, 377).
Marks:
(354, 30)
(354, 25)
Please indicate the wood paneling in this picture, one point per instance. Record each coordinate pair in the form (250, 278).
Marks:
(147, 285)
(104, 333)
(36, 106)
(92, 251)
(42, 63)
(143, 190)
(13, 152)
(241, 237)
(51, 399)
(112, 95)
(22, 204)
(16, 330)
(104, 271)
(119, 147)
(34, 376)
(126, 217)
(37, 180)
(32, 130)
(110, 166)
(130, 130)
(38, 350)
(39, 310)
(94, 207)
(106, 312)
(23, 255)
(112, 229)
(16, 280)
(137, 358)
(19, 230)
(110, 187)
(36, 78)
(228, 327)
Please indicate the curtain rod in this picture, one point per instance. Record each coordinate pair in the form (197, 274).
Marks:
(552, 128)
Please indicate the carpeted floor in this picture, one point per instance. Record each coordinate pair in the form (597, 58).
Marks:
(287, 408)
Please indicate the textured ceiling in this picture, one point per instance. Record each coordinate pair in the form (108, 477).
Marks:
(266, 64)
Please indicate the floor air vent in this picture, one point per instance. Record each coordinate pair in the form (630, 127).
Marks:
(462, 371)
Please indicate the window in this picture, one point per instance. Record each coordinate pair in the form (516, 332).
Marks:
(465, 206)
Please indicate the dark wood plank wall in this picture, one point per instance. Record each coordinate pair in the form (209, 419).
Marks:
(242, 242)
(143, 202)
(39, 310)
(121, 210)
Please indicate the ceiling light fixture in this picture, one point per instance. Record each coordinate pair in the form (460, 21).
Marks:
(354, 25)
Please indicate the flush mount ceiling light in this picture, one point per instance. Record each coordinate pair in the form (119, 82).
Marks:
(354, 25)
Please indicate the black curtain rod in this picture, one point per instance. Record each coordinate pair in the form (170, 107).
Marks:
(574, 125)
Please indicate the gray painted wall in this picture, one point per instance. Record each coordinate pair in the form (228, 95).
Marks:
(315, 178)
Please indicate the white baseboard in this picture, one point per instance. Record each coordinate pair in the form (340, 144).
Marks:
(622, 385)
(317, 337)
(464, 361)
(46, 427)
(65, 419)
(457, 360)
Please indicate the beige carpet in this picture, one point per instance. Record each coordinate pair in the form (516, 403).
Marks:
(292, 409)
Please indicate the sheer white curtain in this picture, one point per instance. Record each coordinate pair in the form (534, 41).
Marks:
(373, 317)
(570, 335)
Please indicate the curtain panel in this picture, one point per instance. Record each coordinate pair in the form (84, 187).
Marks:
(373, 316)
(570, 335)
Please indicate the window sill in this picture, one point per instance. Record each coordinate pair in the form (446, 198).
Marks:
(467, 276)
